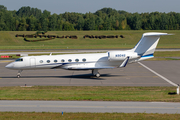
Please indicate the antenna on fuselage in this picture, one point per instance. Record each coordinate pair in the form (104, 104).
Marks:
(50, 54)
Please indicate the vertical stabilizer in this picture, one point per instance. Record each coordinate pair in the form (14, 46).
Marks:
(148, 43)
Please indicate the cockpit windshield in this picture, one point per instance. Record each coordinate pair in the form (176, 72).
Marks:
(20, 59)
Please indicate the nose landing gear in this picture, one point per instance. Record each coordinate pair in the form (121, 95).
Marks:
(19, 74)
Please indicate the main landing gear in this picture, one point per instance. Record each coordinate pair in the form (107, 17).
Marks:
(19, 74)
(96, 73)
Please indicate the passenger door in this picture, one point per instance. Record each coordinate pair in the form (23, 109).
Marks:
(33, 62)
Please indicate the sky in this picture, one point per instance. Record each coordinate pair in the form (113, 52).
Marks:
(84, 6)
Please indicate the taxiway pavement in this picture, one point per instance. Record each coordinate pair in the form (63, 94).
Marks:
(89, 106)
(132, 75)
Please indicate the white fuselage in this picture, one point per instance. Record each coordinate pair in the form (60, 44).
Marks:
(72, 61)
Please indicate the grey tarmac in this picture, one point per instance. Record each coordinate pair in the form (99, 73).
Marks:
(132, 75)
(90, 106)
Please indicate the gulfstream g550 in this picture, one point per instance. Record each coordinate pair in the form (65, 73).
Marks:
(112, 59)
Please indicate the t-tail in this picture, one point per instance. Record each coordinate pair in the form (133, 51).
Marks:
(143, 50)
(146, 46)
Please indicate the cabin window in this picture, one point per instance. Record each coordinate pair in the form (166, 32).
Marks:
(70, 60)
(41, 61)
(20, 59)
(77, 60)
(48, 61)
(62, 60)
(55, 61)
(84, 60)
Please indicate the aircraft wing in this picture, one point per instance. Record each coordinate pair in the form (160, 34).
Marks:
(88, 68)
(77, 67)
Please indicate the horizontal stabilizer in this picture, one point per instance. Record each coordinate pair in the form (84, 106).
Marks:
(151, 34)
(124, 62)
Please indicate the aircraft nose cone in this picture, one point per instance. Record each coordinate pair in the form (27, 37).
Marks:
(9, 66)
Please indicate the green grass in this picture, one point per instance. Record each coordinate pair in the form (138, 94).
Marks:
(86, 116)
(88, 93)
(91, 93)
(9, 41)
(166, 55)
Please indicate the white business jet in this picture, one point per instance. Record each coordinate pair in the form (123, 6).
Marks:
(112, 59)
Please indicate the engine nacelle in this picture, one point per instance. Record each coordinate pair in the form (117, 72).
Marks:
(121, 55)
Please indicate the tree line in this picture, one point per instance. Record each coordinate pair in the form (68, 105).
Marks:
(33, 19)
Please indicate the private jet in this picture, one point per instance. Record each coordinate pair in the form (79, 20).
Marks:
(112, 59)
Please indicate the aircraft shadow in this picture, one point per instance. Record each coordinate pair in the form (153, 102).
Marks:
(81, 76)
(90, 76)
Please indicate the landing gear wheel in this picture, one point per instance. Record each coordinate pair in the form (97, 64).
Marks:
(98, 75)
(18, 76)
